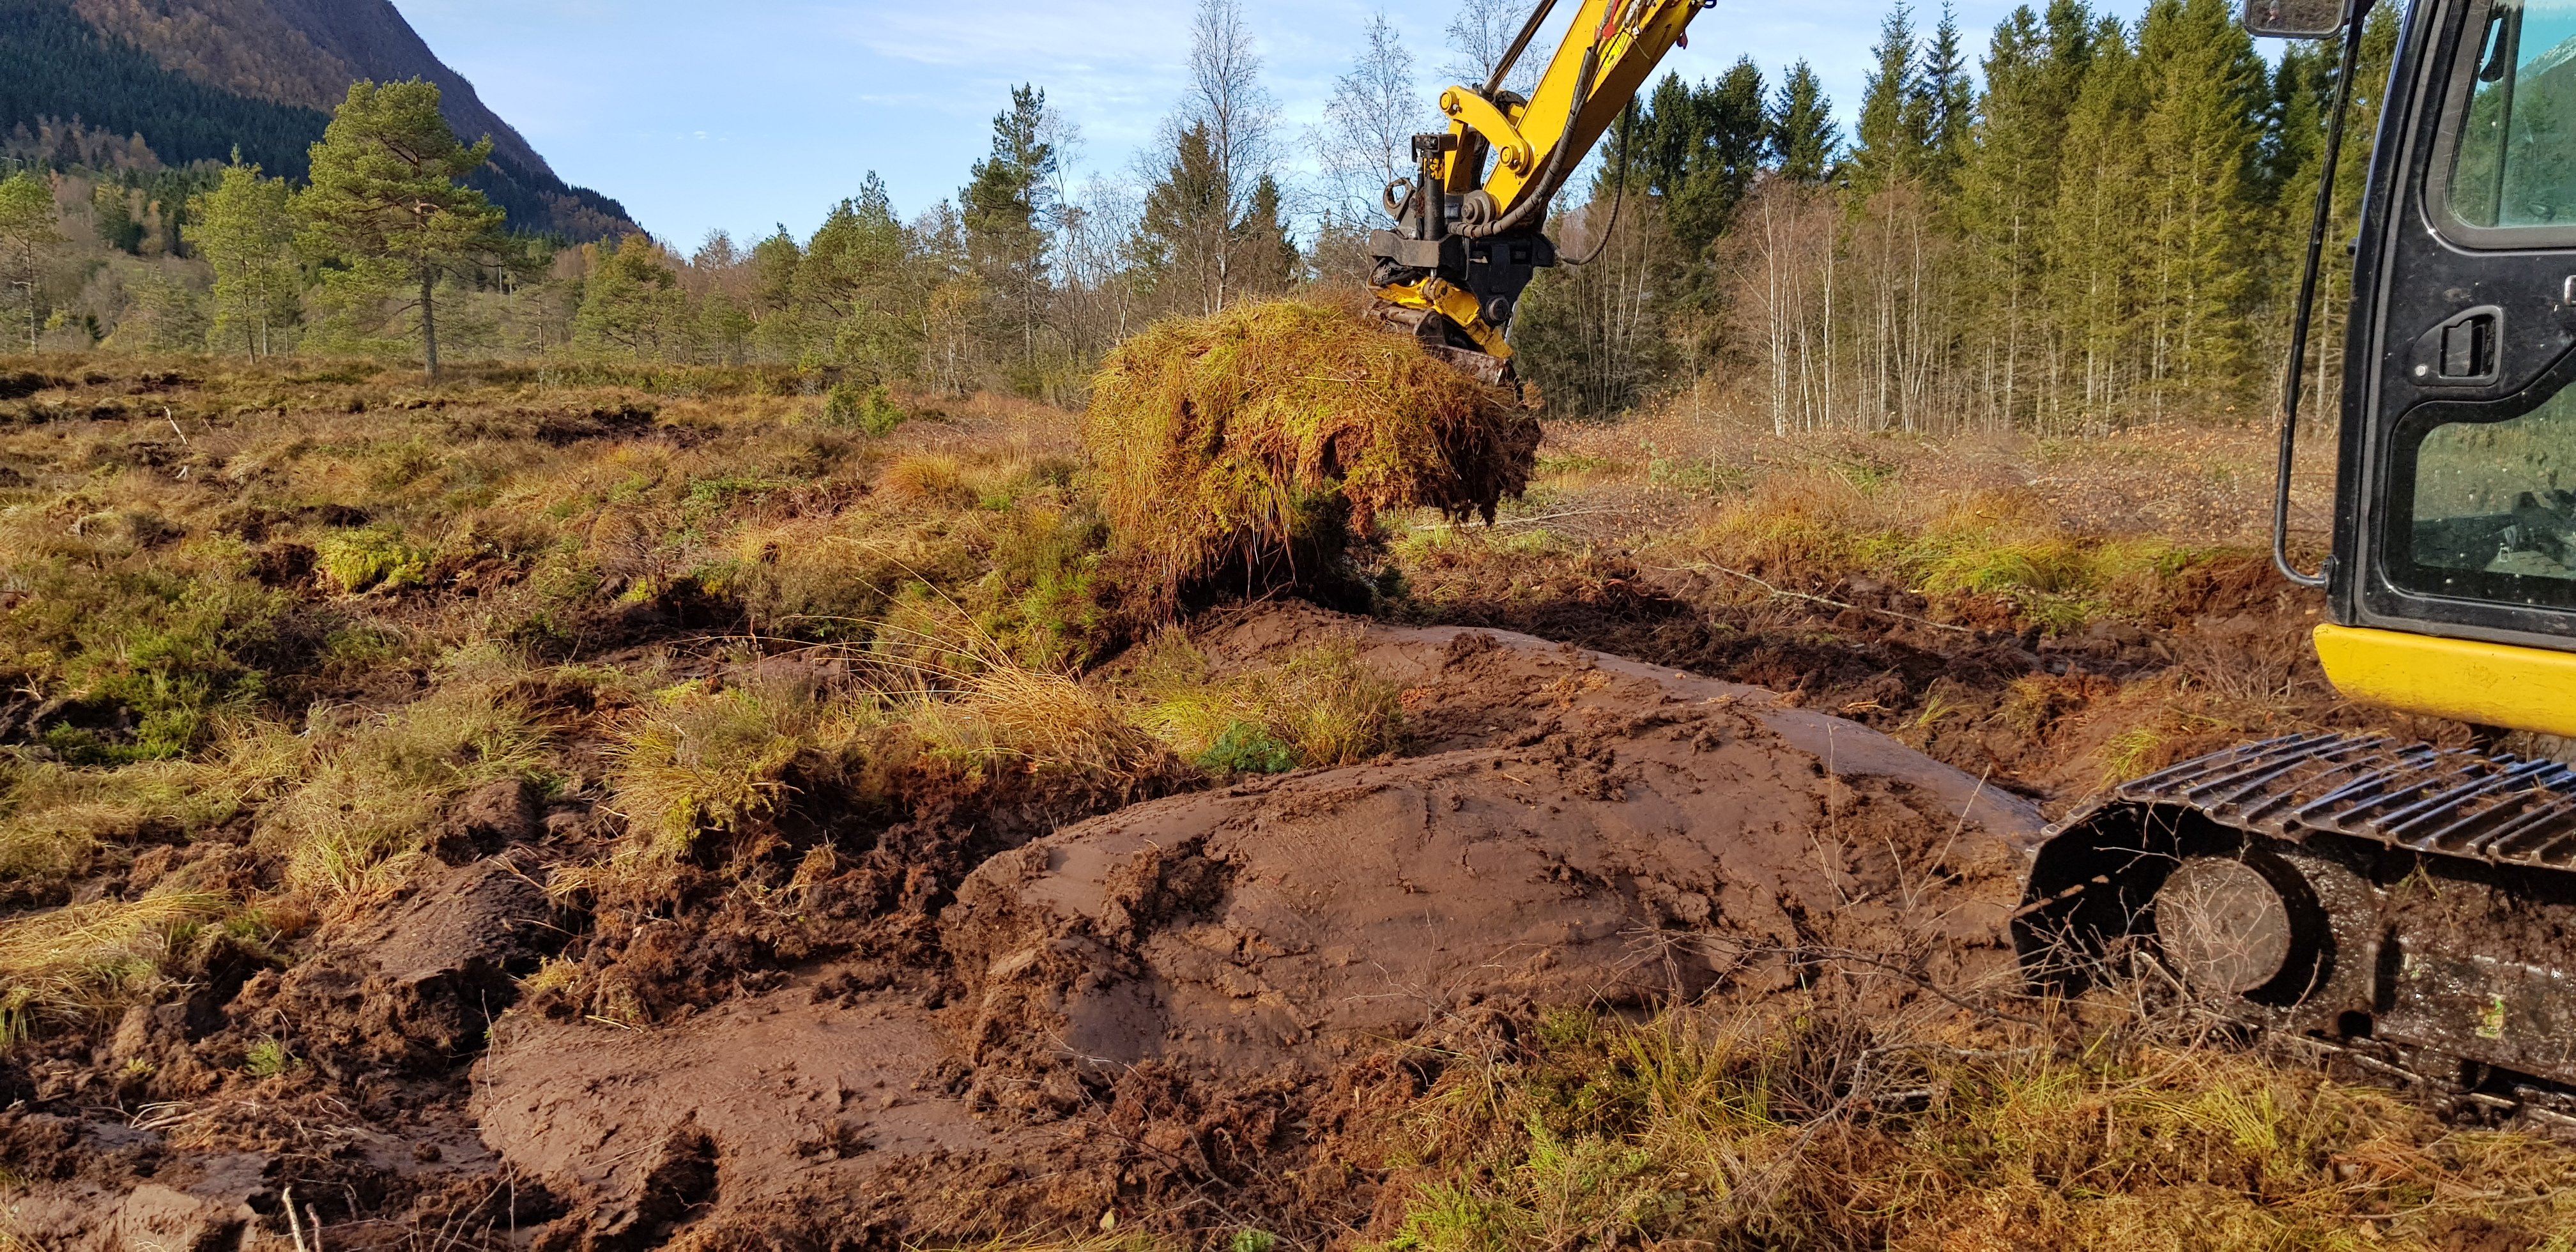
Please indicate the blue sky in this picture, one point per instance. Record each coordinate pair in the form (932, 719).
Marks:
(761, 112)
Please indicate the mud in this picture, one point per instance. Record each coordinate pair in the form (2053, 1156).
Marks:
(958, 1023)
(1144, 1010)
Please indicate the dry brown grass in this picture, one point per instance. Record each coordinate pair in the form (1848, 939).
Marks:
(73, 964)
(1824, 1129)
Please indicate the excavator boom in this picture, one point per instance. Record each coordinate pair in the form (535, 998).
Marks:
(1470, 228)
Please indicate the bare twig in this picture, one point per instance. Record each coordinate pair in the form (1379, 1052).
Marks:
(1786, 594)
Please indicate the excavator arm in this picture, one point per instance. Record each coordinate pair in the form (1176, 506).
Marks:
(1470, 228)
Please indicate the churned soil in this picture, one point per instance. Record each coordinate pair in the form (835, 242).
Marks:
(1157, 1016)
(1177, 1016)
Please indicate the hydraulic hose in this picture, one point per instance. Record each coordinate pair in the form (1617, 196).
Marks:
(1627, 123)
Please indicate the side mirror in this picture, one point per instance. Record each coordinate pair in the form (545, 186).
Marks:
(2297, 19)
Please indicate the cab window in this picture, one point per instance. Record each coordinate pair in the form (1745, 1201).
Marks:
(2513, 159)
(2494, 508)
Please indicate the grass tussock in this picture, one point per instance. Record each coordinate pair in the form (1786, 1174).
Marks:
(1808, 1132)
(372, 796)
(696, 761)
(1238, 444)
(75, 963)
(1318, 708)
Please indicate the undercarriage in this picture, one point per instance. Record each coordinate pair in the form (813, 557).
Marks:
(2406, 905)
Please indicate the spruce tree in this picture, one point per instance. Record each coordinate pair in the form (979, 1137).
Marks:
(1695, 149)
(1266, 258)
(1188, 221)
(1895, 126)
(2205, 89)
(245, 230)
(2304, 92)
(1946, 100)
(386, 193)
(2008, 186)
(1800, 137)
(2094, 236)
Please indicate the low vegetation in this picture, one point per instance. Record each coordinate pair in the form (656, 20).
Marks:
(272, 635)
(1825, 1130)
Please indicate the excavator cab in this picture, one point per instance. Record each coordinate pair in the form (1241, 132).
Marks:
(2374, 895)
(2454, 587)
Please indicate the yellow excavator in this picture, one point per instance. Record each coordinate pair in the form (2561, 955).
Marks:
(1470, 230)
(2409, 906)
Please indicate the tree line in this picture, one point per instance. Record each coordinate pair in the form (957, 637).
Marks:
(2100, 226)
(2095, 223)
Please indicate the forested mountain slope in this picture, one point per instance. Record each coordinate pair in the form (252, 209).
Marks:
(197, 78)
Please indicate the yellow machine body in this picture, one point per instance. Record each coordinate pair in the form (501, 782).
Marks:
(2491, 684)
(1503, 158)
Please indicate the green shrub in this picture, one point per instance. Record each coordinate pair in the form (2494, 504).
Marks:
(377, 558)
(868, 410)
(267, 1058)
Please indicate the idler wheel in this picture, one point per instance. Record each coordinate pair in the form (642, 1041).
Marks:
(2225, 926)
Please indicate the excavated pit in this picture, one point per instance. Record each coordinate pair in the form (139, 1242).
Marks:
(1166, 992)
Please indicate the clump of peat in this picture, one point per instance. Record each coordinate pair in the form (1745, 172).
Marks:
(1248, 449)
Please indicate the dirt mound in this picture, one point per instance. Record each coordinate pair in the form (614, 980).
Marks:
(1161, 994)
(414, 986)
(1600, 833)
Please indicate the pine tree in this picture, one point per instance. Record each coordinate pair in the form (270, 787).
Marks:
(2206, 89)
(28, 226)
(386, 193)
(1006, 210)
(245, 230)
(632, 305)
(1800, 136)
(863, 289)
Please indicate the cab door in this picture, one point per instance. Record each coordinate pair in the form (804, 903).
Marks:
(2463, 431)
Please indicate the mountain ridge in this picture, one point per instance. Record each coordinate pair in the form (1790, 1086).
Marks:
(175, 70)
